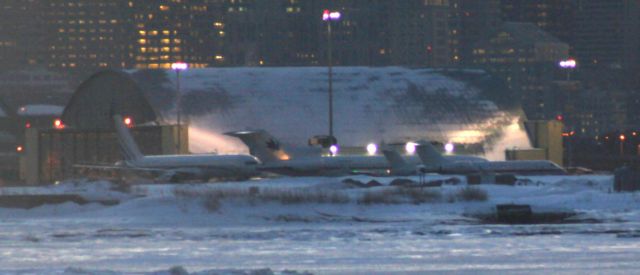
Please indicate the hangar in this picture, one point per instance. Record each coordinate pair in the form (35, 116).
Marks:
(84, 132)
(372, 104)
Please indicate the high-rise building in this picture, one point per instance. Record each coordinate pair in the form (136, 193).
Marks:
(291, 32)
(87, 34)
(607, 33)
(470, 21)
(271, 33)
(95, 34)
(553, 16)
(419, 32)
(21, 35)
(177, 31)
(526, 57)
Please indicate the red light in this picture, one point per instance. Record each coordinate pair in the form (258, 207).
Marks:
(27, 125)
(19, 148)
(622, 137)
(128, 121)
(328, 15)
(58, 124)
(559, 118)
(429, 48)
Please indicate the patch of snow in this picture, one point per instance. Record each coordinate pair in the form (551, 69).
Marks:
(157, 232)
(40, 110)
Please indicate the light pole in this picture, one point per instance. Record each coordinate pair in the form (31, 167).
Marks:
(329, 16)
(177, 67)
(622, 139)
(569, 65)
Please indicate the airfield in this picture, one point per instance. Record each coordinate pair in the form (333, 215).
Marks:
(263, 227)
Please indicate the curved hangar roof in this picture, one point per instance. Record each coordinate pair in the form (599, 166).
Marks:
(102, 95)
(371, 104)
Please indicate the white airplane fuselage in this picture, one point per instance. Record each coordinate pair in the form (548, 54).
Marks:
(208, 166)
(338, 165)
(523, 167)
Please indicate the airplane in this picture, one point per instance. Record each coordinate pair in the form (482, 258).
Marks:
(176, 168)
(433, 161)
(276, 160)
(400, 167)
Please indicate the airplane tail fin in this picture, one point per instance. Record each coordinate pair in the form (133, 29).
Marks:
(395, 159)
(399, 166)
(428, 154)
(261, 145)
(127, 144)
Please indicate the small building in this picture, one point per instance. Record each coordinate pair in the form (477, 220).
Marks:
(84, 134)
(546, 138)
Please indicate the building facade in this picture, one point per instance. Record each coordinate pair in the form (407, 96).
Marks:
(470, 21)
(21, 35)
(553, 16)
(176, 31)
(97, 34)
(526, 58)
(607, 33)
(87, 34)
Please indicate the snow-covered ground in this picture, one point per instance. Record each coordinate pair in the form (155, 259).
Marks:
(153, 230)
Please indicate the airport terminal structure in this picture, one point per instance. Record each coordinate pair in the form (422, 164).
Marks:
(382, 105)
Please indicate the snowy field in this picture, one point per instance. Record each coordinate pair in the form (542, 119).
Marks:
(169, 229)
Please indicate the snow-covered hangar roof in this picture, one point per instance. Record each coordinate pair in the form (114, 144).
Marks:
(371, 104)
(102, 95)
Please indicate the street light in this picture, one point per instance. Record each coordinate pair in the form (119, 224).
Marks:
(329, 16)
(449, 147)
(177, 67)
(568, 64)
(372, 148)
(622, 138)
(410, 147)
